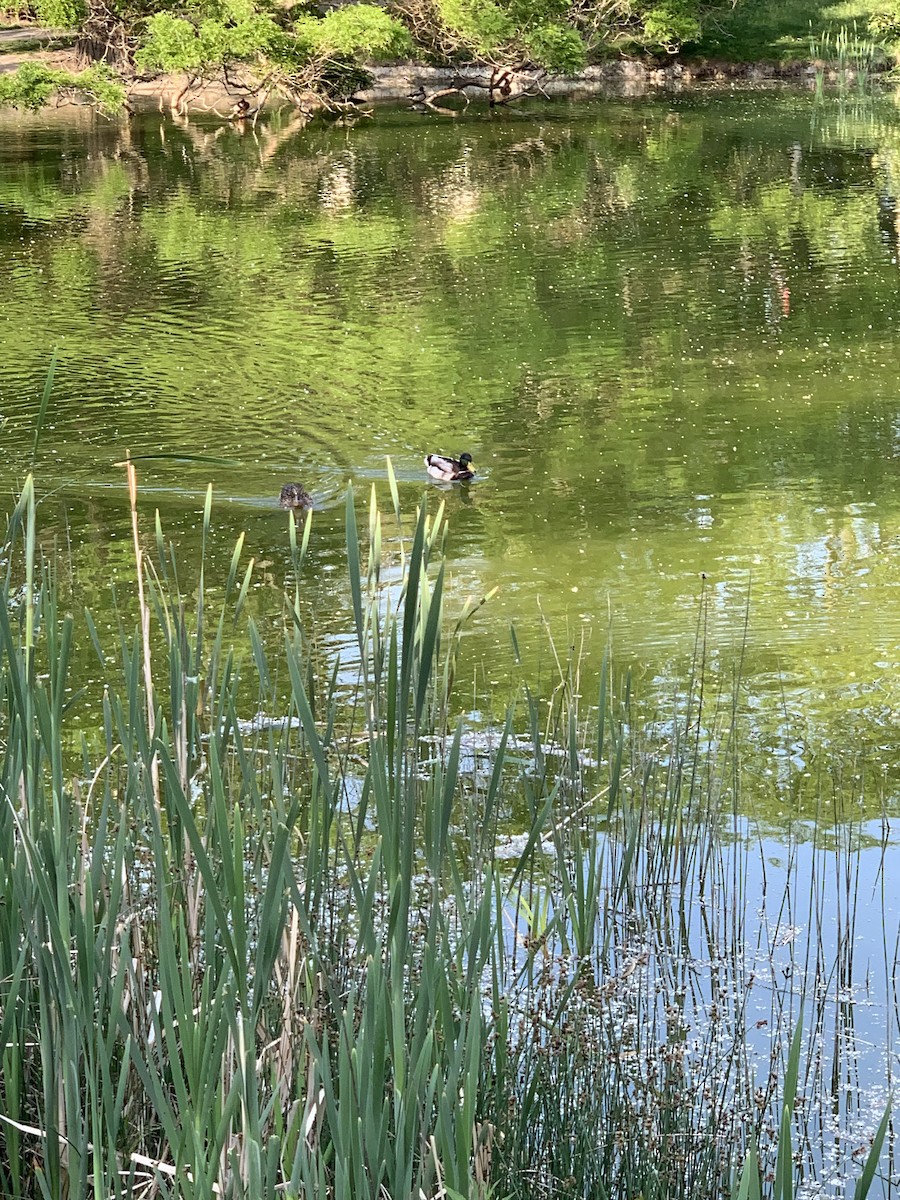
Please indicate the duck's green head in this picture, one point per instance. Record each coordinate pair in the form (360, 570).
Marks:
(465, 459)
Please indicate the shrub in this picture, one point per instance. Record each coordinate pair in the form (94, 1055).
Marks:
(358, 31)
(60, 14)
(557, 47)
(484, 25)
(671, 24)
(32, 85)
(884, 22)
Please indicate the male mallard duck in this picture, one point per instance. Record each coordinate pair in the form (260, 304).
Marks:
(450, 469)
(295, 496)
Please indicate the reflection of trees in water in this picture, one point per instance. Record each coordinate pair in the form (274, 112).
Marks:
(591, 272)
(627, 308)
(624, 175)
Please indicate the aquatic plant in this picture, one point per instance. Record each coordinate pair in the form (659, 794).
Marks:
(853, 57)
(288, 928)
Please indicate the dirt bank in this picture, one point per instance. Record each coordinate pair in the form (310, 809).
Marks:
(433, 86)
(619, 77)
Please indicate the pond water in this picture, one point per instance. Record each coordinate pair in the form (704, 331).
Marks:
(666, 329)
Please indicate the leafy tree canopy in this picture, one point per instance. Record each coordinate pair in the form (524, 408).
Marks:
(290, 53)
(34, 84)
(295, 49)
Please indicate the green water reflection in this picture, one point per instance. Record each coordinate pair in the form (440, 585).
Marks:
(666, 329)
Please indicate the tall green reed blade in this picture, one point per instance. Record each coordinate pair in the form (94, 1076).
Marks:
(537, 827)
(784, 1163)
(602, 701)
(27, 503)
(585, 894)
(233, 566)
(42, 411)
(395, 494)
(201, 582)
(242, 595)
(748, 1187)
(429, 645)
(483, 833)
(353, 571)
(200, 849)
(412, 613)
(307, 720)
(873, 1157)
(439, 806)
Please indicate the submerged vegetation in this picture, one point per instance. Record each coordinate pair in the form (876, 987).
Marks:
(276, 924)
(852, 55)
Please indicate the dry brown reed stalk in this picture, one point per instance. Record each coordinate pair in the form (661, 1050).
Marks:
(131, 475)
(138, 990)
(483, 1150)
(288, 974)
(136, 1159)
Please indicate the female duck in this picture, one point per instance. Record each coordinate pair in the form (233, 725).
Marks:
(452, 470)
(295, 496)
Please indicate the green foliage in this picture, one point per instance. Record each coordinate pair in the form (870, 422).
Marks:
(357, 31)
(172, 43)
(33, 84)
(522, 30)
(557, 47)
(884, 22)
(326, 53)
(525, 14)
(777, 30)
(482, 23)
(671, 24)
(559, 34)
(177, 44)
(327, 49)
(60, 14)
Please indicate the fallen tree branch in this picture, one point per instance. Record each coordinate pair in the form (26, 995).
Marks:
(499, 86)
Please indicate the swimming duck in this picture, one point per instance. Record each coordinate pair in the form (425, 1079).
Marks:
(450, 469)
(295, 496)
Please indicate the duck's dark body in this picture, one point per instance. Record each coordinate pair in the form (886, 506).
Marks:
(452, 470)
(295, 496)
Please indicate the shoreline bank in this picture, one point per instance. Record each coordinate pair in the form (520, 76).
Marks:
(616, 77)
(434, 86)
